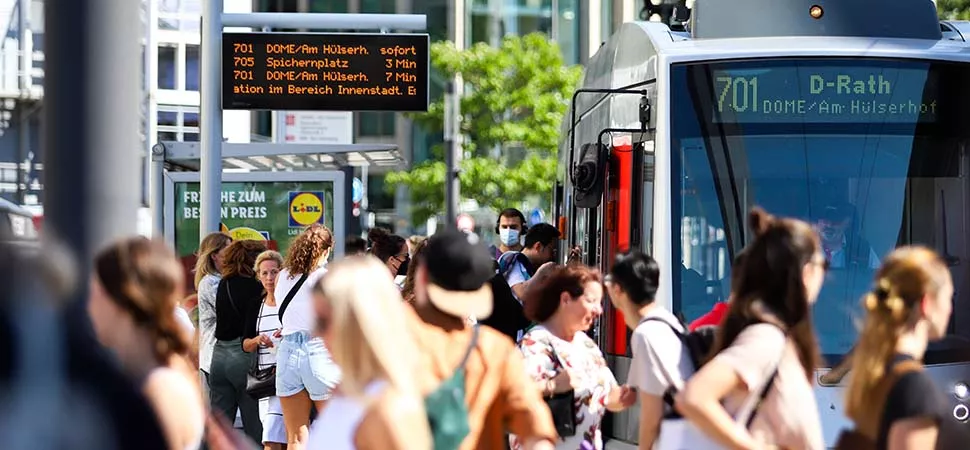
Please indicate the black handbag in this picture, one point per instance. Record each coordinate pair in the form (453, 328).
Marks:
(562, 406)
(261, 383)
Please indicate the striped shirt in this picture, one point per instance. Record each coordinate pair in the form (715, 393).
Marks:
(267, 323)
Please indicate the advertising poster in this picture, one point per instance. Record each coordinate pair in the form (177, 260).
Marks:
(270, 211)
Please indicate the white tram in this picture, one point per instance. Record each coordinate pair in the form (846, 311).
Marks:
(861, 107)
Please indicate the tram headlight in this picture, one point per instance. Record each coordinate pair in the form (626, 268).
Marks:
(816, 12)
(961, 390)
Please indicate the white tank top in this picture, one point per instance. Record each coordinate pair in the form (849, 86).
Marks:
(336, 427)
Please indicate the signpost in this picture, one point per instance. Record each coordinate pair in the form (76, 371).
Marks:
(343, 72)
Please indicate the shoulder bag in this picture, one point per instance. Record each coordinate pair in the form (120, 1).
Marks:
(562, 405)
(445, 407)
(261, 383)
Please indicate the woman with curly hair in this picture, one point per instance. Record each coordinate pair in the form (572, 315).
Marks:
(305, 372)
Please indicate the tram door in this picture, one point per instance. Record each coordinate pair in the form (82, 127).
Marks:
(621, 216)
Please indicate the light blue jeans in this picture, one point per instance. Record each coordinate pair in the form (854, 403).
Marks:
(303, 362)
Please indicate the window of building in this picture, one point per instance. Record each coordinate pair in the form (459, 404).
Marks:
(328, 6)
(167, 55)
(192, 53)
(378, 196)
(263, 124)
(567, 30)
(288, 6)
(168, 118)
(376, 123)
(437, 14)
(378, 6)
(182, 15)
(606, 21)
(178, 123)
(191, 119)
(481, 28)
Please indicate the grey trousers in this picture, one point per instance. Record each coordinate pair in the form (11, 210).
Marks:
(227, 387)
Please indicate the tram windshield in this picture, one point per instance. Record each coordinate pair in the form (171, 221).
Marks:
(873, 152)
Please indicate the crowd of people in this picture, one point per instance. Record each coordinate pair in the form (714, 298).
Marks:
(445, 343)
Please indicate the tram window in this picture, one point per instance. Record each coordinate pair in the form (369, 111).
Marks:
(868, 187)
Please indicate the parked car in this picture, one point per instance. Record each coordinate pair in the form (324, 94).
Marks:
(17, 225)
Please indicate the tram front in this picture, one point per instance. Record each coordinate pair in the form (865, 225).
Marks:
(871, 150)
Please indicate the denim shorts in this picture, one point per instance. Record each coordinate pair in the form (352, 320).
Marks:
(303, 362)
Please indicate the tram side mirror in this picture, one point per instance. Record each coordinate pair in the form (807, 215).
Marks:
(589, 175)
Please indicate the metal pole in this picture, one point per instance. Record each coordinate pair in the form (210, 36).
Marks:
(23, 148)
(91, 126)
(452, 182)
(210, 173)
(318, 21)
(156, 176)
(23, 117)
(26, 50)
(155, 160)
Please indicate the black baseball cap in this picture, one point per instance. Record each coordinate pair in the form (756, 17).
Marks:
(459, 268)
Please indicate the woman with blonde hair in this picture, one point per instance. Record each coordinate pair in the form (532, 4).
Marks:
(893, 403)
(135, 286)
(305, 374)
(361, 315)
(208, 268)
(268, 327)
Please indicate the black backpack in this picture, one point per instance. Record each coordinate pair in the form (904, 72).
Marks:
(699, 344)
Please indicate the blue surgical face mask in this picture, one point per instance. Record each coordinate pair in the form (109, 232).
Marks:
(508, 236)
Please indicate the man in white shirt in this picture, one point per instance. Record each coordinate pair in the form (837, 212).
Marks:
(661, 363)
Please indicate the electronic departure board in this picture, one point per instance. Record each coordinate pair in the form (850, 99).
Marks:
(325, 71)
(820, 91)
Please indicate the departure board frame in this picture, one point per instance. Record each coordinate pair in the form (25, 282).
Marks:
(325, 71)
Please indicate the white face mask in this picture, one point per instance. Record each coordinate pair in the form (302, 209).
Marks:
(508, 236)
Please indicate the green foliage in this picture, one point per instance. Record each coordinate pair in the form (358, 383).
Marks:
(954, 9)
(515, 96)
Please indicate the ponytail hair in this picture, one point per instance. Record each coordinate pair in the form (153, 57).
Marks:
(906, 276)
(145, 280)
(770, 276)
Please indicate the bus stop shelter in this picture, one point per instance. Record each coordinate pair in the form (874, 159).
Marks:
(296, 164)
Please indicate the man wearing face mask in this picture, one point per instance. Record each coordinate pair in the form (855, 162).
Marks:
(510, 228)
(540, 247)
(842, 243)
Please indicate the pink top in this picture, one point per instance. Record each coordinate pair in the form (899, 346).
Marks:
(788, 416)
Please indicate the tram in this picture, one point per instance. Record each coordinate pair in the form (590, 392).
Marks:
(856, 112)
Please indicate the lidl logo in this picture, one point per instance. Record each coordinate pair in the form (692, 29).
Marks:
(306, 208)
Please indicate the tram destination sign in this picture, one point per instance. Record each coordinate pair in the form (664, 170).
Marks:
(325, 71)
(818, 93)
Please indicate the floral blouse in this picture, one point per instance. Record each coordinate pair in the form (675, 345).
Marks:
(587, 366)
